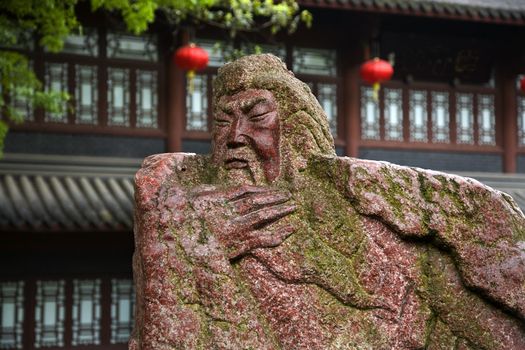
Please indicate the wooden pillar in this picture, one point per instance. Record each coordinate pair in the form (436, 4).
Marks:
(351, 98)
(176, 104)
(508, 113)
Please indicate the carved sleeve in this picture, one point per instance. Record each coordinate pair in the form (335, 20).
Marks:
(483, 229)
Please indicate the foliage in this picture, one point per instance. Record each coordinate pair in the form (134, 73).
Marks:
(53, 20)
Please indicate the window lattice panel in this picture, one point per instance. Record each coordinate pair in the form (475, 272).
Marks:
(486, 120)
(418, 115)
(49, 313)
(521, 121)
(118, 96)
(86, 94)
(440, 117)
(393, 114)
(327, 96)
(125, 46)
(197, 104)
(86, 312)
(56, 81)
(314, 61)
(122, 308)
(82, 44)
(11, 314)
(147, 99)
(465, 118)
(369, 115)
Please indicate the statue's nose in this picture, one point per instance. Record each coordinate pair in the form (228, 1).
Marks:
(236, 137)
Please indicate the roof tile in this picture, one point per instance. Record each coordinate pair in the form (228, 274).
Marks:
(509, 10)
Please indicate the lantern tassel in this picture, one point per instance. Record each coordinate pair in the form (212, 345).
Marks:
(376, 86)
(190, 75)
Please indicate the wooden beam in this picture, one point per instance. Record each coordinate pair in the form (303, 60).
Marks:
(508, 112)
(176, 103)
(351, 97)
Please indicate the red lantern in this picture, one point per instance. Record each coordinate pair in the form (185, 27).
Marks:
(522, 84)
(376, 71)
(191, 58)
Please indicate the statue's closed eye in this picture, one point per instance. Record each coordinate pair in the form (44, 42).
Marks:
(260, 111)
(259, 117)
(222, 122)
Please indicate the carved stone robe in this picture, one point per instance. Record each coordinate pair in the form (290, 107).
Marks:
(383, 257)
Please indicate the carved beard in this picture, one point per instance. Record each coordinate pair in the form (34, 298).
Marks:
(252, 174)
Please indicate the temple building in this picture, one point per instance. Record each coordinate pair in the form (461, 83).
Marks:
(66, 181)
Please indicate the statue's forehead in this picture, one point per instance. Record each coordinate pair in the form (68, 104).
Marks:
(245, 98)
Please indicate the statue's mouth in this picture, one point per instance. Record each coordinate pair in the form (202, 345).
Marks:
(235, 163)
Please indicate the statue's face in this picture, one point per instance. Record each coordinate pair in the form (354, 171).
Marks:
(246, 134)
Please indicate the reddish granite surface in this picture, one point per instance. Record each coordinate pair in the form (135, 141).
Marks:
(382, 257)
(273, 242)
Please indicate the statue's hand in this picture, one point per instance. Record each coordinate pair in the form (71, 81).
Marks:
(246, 217)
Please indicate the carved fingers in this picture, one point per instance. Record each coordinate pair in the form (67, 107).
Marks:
(251, 201)
(245, 217)
(258, 239)
(256, 225)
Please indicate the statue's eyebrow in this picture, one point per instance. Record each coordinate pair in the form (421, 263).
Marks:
(247, 105)
(225, 107)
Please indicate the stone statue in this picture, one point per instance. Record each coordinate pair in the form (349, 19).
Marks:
(273, 242)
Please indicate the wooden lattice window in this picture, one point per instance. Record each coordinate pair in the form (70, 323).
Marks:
(49, 313)
(11, 314)
(86, 312)
(465, 118)
(114, 80)
(440, 117)
(418, 115)
(425, 115)
(369, 115)
(486, 120)
(86, 96)
(327, 96)
(197, 104)
(520, 102)
(393, 114)
(521, 121)
(122, 306)
(66, 313)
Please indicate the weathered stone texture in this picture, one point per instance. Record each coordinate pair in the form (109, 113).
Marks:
(371, 265)
(273, 242)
